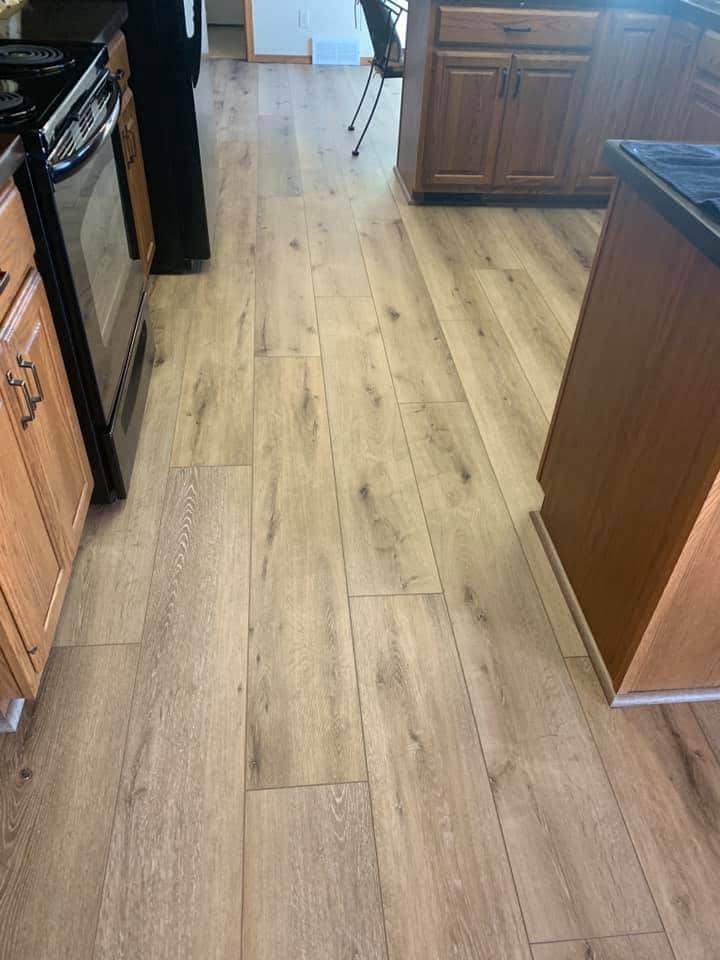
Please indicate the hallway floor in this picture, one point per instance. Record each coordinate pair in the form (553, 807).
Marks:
(316, 693)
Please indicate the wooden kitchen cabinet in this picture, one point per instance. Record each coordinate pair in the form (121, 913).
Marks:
(45, 477)
(702, 113)
(469, 95)
(620, 93)
(544, 94)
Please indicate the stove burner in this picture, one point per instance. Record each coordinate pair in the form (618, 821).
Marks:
(30, 59)
(14, 107)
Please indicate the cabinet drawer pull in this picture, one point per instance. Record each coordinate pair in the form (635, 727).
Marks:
(20, 384)
(503, 83)
(4, 280)
(509, 29)
(29, 365)
(518, 80)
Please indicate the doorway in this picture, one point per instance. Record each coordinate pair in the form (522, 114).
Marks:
(228, 23)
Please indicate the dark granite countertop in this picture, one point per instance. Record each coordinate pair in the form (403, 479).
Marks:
(66, 20)
(11, 156)
(700, 229)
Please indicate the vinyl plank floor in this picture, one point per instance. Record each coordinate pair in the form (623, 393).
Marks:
(236, 92)
(447, 886)
(574, 865)
(174, 875)
(58, 781)
(108, 590)
(338, 268)
(303, 714)
(513, 428)
(668, 783)
(708, 716)
(311, 887)
(482, 237)
(418, 354)
(278, 160)
(386, 544)
(285, 320)
(367, 186)
(651, 946)
(274, 89)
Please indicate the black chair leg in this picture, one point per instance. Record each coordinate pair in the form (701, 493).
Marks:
(362, 98)
(356, 151)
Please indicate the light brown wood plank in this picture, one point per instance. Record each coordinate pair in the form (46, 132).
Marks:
(109, 586)
(538, 340)
(56, 824)
(174, 876)
(285, 321)
(575, 869)
(419, 358)
(668, 783)
(367, 186)
(236, 99)
(513, 429)
(274, 89)
(483, 239)
(311, 886)
(447, 886)
(278, 162)
(651, 946)
(708, 716)
(386, 543)
(214, 421)
(303, 714)
(451, 281)
(579, 235)
(338, 268)
(555, 268)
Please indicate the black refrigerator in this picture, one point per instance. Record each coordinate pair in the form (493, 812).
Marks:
(174, 102)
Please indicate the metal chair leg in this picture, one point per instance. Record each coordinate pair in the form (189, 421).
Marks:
(362, 98)
(356, 151)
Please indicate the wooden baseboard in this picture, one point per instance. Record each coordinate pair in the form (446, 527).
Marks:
(640, 698)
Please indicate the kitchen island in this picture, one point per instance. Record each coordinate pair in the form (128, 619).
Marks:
(507, 101)
(631, 467)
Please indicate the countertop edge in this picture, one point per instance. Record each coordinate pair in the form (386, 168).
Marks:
(702, 231)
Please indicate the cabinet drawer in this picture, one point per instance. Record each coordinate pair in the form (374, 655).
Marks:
(118, 62)
(16, 246)
(501, 27)
(708, 57)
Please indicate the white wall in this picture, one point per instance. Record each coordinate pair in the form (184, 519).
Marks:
(277, 30)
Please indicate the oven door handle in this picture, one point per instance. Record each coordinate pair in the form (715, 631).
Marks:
(63, 169)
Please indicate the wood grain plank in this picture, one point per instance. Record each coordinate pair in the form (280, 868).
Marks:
(236, 101)
(214, 421)
(367, 187)
(513, 429)
(447, 886)
(708, 716)
(311, 886)
(419, 358)
(303, 714)
(555, 268)
(483, 238)
(668, 784)
(278, 162)
(651, 946)
(108, 590)
(386, 543)
(56, 824)
(573, 862)
(338, 268)
(285, 321)
(274, 89)
(174, 875)
(538, 340)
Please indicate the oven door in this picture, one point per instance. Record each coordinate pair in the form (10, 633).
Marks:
(108, 282)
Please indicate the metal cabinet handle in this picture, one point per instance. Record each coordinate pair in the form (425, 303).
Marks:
(29, 365)
(518, 79)
(503, 83)
(517, 29)
(20, 384)
(4, 279)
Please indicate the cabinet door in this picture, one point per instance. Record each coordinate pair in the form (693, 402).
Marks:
(465, 110)
(51, 443)
(32, 573)
(137, 184)
(544, 96)
(620, 91)
(702, 116)
(667, 116)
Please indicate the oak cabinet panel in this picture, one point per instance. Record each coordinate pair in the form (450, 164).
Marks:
(702, 114)
(620, 91)
(673, 80)
(467, 106)
(137, 184)
(544, 96)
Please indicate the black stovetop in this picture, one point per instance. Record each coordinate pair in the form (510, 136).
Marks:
(36, 78)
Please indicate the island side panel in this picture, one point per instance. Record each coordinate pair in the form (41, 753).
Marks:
(415, 94)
